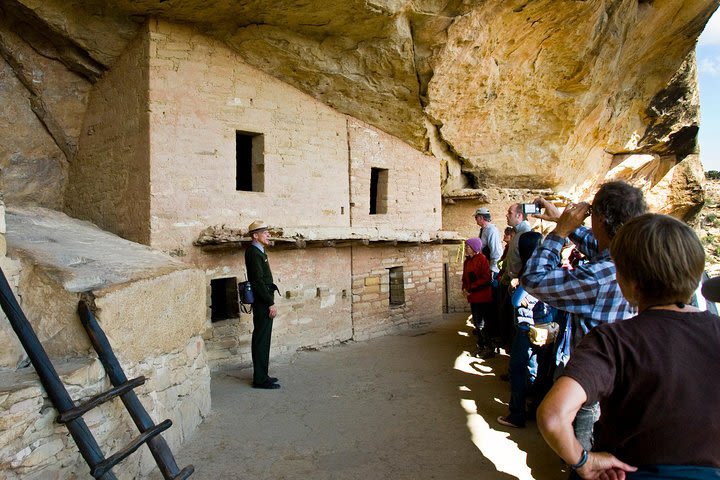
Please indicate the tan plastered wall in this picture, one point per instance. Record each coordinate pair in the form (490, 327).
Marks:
(201, 93)
(423, 279)
(144, 318)
(109, 182)
(453, 258)
(314, 303)
(413, 194)
(153, 316)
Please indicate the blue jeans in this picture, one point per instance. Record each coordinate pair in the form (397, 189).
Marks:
(525, 358)
(583, 424)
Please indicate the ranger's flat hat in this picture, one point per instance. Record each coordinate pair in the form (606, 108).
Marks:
(256, 226)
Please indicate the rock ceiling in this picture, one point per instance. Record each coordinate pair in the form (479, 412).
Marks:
(507, 93)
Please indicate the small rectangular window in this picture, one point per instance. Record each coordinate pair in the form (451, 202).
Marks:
(249, 157)
(397, 286)
(378, 191)
(224, 299)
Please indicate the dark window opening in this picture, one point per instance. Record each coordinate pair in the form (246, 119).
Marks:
(397, 286)
(224, 299)
(249, 157)
(378, 190)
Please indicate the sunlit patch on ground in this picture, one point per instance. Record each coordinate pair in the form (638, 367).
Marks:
(495, 445)
(468, 364)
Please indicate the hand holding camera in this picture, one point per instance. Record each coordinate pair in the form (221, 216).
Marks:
(544, 210)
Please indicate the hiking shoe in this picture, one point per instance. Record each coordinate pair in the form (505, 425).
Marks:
(506, 421)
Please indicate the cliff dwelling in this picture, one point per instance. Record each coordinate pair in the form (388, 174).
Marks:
(140, 139)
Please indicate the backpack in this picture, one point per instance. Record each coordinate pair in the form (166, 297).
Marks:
(245, 294)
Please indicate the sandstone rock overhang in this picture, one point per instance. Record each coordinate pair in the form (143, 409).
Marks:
(525, 94)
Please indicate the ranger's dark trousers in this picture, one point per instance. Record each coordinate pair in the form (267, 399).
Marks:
(262, 331)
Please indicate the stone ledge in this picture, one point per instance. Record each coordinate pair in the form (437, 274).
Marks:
(215, 237)
(79, 255)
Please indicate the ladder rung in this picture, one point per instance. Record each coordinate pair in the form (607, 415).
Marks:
(99, 399)
(103, 467)
(184, 473)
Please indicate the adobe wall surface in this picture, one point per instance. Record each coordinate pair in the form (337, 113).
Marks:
(313, 304)
(413, 193)
(109, 182)
(201, 93)
(423, 280)
(315, 309)
(453, 257)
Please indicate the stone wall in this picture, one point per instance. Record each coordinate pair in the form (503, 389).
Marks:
(313, 303)
(453, 257)
(316, 167)
(320, 306)
(109, 181)
(423, 288)
(413, 184)
(201, 93)
(150, 306)
(33, 446)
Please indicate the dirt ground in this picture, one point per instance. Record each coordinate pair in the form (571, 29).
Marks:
(409, 406)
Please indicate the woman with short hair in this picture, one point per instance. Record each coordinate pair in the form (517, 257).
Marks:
(655, 375)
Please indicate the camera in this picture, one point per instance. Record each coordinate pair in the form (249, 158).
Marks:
(531, 208)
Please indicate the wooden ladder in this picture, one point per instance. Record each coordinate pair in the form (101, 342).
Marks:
(71, 415)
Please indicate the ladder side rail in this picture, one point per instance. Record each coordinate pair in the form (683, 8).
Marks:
(49, 378)
(157, 444)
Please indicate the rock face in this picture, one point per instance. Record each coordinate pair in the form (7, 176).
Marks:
(521, 94)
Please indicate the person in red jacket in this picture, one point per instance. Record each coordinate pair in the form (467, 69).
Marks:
(476, 282)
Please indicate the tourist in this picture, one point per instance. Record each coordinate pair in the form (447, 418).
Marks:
(526, 358)
(476, 280)
(654, 374)
(492, 249)
(589, 291)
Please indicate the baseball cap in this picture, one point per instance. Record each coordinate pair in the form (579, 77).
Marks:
(481, 211)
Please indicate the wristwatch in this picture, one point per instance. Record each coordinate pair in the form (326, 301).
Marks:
(582, 461)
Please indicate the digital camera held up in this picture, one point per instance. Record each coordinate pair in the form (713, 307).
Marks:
(531, 208)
